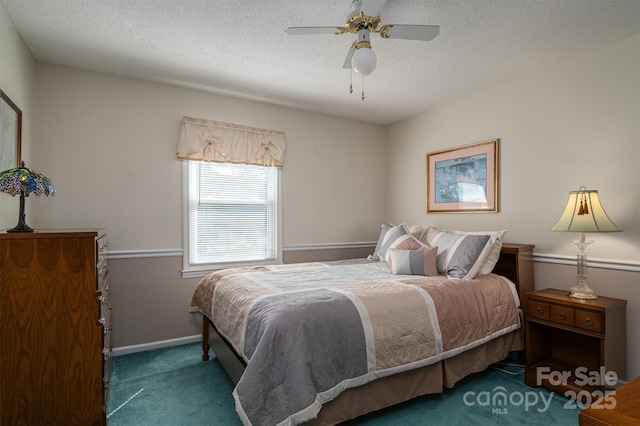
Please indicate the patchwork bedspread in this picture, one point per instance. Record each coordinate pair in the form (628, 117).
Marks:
(310, 331)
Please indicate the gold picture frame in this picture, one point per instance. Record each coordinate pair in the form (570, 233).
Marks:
(10, 133)
(464, 179)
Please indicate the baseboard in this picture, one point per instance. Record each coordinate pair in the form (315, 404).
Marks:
(156, 345)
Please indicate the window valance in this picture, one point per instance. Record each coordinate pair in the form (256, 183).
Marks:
(221, 142)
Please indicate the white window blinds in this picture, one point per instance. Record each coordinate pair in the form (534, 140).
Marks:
(233, 214)
(232, 201)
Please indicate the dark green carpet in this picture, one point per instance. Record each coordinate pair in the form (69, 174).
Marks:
(172, 386)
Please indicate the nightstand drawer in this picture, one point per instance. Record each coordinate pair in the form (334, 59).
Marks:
(539, 310)
(589, 320)
(562, 315)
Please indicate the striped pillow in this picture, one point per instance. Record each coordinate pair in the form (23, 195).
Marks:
(394, 237)
(402, 242)
(497, 238)
(460, 255)
(383, 232)
(414, 262)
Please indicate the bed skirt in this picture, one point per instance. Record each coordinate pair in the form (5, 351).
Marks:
(392, 390)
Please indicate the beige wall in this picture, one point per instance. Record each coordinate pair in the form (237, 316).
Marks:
(563, 127)
(17, 80)
(109, 144)
(573, 124)
(110, 149)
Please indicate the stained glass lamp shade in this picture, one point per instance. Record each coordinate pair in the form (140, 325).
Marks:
(24, 181)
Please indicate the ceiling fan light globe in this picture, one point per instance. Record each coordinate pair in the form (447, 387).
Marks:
(364, 61)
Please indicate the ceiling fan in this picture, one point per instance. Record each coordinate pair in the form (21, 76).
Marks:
(364, 19)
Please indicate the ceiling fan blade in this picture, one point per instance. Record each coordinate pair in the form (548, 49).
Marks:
(347, 62)
(410, 32)
(372, 7)
(314, 30)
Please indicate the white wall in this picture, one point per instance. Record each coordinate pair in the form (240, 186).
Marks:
(573, 124)
(108, 143)
(17, 80)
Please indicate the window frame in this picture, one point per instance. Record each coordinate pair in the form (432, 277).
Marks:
(193, 271)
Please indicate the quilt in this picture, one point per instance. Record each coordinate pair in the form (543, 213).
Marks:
(310, 331)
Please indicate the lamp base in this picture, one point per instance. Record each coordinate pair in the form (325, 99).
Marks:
(21, 227)
(582, 291)
(22, 224)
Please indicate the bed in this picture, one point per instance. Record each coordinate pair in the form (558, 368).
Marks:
(319, 343)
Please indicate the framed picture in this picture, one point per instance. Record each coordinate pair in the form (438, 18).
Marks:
(10, 133)
(463, 179)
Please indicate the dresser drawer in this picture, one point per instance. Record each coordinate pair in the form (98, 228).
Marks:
(539, 310)
(106, 380)
(102, 245)
(562, 315)
(102, 271)
(589, 321)
(105, 308)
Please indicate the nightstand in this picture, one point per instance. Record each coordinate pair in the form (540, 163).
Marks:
(574, 344)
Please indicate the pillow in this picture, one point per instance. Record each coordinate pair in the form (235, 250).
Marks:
(418, 231)
(413, 262)
(460, 255)
(497, 239)
(401, 242)
(393, 236)
(383, 232)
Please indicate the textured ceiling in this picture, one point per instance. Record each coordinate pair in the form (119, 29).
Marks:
(239, 47)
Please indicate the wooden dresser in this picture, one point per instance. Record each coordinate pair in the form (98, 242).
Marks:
(55, 327)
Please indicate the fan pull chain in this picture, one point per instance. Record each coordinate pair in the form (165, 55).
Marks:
(363, 87)
(351, 79)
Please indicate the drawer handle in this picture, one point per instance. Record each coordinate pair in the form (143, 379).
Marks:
(539, 310)
(562, 316)
(587, 321)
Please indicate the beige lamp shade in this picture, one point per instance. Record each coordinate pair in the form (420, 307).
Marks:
(584, 213)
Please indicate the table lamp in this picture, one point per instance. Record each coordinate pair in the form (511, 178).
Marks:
(584, 213)
(23, 181)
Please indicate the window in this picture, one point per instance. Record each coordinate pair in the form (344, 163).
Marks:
(232, 214)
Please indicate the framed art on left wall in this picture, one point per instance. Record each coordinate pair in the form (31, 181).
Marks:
(463, 179)
(10, 133)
